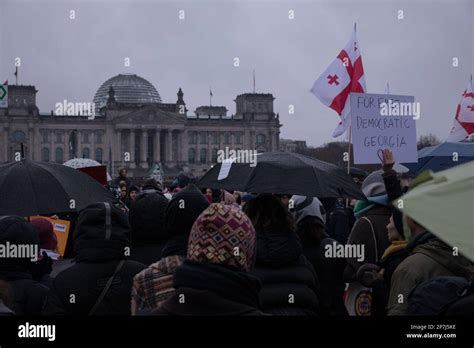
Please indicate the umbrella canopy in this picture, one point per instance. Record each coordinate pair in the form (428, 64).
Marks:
(445, 206)
(35, 188)
(284, 173)
(441, 157)
(77, 163)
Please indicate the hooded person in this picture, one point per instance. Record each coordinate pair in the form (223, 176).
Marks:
(100, 281)
(148, 236)
(154, 285)
(215, 279)
(182, 180)
(289, 282)
(6, 299)
(370, 228)
(48, 251)
(310, 219)
(17, 234)
(151, 185)
(429, 257)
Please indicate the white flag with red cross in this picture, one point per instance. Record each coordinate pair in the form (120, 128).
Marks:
(464, 121)
(343, 76)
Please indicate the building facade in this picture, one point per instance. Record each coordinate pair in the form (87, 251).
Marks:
(131, 127)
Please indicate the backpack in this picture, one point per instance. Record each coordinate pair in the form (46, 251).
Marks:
(442, 296)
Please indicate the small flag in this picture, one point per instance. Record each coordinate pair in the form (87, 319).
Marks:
(210, 92)
(343, 76)
(464, 120)
(16, 72)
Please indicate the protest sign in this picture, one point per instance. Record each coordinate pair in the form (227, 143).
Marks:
(383, 121)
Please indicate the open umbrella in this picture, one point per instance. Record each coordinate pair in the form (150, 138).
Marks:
(444, 205)
(442, 156)
(77, 163)
(35, 188)
(284, 173)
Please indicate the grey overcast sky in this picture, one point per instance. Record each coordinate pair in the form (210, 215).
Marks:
(70, 59)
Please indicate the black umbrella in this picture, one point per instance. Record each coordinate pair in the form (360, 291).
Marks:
(284, 173)
(35, 188)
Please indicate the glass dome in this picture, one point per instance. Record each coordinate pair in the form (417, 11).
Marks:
(129, 88)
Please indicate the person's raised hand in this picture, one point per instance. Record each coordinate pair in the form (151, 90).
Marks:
(387, 160)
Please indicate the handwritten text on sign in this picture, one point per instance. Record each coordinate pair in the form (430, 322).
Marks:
(372, 132)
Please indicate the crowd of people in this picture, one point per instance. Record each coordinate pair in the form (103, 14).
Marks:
(184, 250)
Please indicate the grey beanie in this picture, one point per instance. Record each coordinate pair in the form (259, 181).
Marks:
(308, 206)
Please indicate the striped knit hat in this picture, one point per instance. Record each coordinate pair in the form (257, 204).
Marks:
(223, 235)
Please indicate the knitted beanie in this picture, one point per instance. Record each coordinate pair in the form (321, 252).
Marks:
(223, 235)
(47, 237)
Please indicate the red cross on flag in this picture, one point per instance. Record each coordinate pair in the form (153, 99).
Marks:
(343, 76)
(464, 121)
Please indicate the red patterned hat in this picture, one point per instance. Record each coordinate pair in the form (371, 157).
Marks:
(223, 235)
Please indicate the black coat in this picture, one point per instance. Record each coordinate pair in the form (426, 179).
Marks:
(147, 215)
(289, 282)
(146, 253)
(330, 272)
(210, 289)
(99, 248)
(28, 294)
(85, 280)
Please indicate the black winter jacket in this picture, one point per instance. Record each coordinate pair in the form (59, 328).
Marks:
(101, 239)
(289, 282)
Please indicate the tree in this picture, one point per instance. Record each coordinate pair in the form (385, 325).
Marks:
(427, 140)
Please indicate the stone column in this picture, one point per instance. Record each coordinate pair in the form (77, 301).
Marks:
(31, 143)
(79, 144)
(169, 145)
(252, 139)
(270, 140)
(143, 149)
(209, 147)
(38, 145)
(117, 146)
(184, 146)
(52, 151)
(131, 149)
(66, 133)
(157, 149)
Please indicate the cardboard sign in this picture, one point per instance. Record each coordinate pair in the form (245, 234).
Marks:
(99, 173)
(383, 121)
(61, 229)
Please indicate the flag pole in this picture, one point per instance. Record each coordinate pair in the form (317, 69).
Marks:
(253, 81)
(349, 159)
(349, 150)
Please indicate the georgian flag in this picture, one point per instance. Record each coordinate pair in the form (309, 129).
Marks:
(464, 121)
(343, 76)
